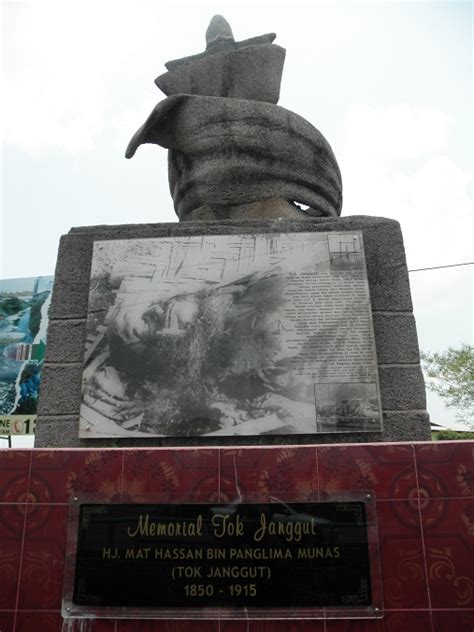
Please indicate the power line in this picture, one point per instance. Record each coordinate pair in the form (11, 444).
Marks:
(452, 265)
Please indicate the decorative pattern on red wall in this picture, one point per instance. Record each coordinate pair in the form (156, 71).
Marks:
(425, 512)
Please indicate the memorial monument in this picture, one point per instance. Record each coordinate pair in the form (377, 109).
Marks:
(253, 321)
(262, 317)
(233, 153)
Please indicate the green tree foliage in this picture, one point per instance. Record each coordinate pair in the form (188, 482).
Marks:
(451, 375)
(452, 435)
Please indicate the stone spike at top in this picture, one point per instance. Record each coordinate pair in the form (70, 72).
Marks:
(218, 32)
(250, 69)
(219, 39)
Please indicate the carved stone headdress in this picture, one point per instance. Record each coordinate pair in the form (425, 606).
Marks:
(229, 143)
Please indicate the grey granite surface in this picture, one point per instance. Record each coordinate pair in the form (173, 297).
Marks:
(401, 380)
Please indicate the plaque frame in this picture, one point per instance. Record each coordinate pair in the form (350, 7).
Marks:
(375, 610)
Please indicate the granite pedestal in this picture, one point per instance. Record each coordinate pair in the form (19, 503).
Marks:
(401, 381)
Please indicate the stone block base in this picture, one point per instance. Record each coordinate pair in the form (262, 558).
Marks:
(401, 380)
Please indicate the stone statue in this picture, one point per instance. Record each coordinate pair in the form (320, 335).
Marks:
(232, 152)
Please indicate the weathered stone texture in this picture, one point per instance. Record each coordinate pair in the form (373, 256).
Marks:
(401, 381)
(406, 426)
(235, 151)
(65, 341)
(63, 431)
(71, 279)
(402, 387)
(60, 389)
(229, 143)
(385, 256)
(253, 72)
(396, 338)
(58, 432)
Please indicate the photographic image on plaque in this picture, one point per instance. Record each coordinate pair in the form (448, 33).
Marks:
(214, 335)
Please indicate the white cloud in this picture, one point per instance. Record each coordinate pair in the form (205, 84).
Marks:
(397, 133)
(396, 163)
(63, 64)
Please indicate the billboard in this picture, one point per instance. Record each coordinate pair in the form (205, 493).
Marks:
(24, 305)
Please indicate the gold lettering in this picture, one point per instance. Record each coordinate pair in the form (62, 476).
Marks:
(170, 529)
(321, 552)
(260, 532)
(225, 525)
(292, 531)
(142, 527)
(237, 572)
(216, 554)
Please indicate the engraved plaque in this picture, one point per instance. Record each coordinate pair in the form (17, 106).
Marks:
(225, 335)
(270, 559)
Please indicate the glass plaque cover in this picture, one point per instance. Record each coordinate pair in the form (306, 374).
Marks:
(274, 559)
(230, 335)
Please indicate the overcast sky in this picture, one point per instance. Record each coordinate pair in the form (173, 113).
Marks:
(388, 84)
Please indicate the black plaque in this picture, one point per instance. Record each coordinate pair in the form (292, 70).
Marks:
(271, 555)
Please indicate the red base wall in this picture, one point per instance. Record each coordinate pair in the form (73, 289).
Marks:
(425, 511)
